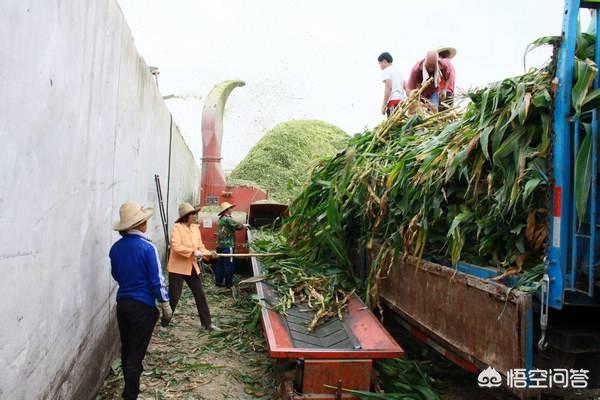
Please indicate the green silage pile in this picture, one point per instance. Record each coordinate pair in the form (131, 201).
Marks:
(282, 160)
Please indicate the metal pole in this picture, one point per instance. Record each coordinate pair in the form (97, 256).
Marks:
(571, 270)
(161, 208)
(594, 189)
(560, 227)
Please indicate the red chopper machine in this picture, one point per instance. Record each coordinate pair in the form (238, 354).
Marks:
(214, 189)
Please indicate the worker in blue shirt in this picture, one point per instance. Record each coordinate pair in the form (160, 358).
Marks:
(135, 266)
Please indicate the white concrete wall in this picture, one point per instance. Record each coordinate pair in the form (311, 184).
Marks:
(83, 128)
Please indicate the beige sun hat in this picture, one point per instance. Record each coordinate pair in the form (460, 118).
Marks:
(225, 206)
(186, 209)
(131, 214)
(450, 50)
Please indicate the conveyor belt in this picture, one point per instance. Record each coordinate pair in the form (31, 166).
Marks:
(358, 336)
(331, 335)
(336, 354)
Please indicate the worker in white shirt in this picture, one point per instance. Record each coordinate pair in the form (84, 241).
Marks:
(393, 81)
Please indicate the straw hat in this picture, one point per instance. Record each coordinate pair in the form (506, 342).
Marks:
(131, 214)
(450, 50)
(225, 206)
(186, 209)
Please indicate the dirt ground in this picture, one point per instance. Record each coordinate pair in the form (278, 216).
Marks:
(185, 362)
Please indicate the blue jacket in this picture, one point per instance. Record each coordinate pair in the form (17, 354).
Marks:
(136, 268)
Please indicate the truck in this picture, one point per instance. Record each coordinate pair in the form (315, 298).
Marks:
(494, 327)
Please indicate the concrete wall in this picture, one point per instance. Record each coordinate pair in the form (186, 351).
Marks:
(83, 128)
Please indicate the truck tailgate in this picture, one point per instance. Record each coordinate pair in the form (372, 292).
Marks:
(483, 322)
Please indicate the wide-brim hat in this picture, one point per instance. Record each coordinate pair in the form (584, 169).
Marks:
(451, 51)
(131, 214)
(186, 209)
(225, 206)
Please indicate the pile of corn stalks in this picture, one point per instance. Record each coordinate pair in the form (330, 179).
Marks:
(470, 183)
(465, 184)
(325, 289)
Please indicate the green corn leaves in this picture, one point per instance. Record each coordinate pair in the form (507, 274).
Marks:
(585, 72)
(423, 185)
(468, 184)
(583, 173)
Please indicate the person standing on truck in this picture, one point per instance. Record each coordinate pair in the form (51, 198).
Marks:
(434, 70)
(393, 81)
(447, 94)
(135, 266)
(226, 245)
(186, 248)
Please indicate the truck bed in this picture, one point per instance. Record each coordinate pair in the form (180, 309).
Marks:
(472, 321)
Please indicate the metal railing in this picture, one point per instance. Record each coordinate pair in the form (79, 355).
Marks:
(580, 276)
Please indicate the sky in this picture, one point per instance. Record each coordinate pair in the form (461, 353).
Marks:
(317, 59)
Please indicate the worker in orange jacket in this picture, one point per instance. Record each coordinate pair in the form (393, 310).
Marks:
(186, 248)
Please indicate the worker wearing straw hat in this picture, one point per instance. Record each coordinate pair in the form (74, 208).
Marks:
(135, 266)
(186, 247)
(432, 73)
(226, 245)
(446, 54)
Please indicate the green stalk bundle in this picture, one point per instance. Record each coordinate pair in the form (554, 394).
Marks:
(466, 184)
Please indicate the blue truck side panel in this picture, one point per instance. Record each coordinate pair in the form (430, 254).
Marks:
(560, 225)
(594, 195)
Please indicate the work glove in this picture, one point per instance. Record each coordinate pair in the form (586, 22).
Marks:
(198, 253)
(167, 314)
